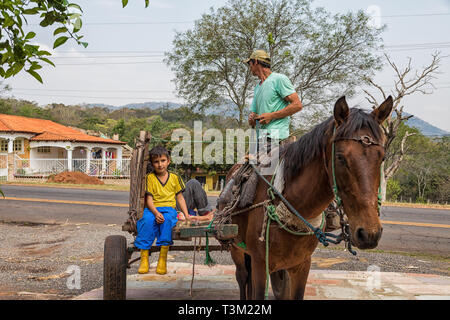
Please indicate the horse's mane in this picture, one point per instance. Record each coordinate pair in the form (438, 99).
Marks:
(302, 152)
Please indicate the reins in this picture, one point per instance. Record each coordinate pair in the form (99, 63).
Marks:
(324, 237)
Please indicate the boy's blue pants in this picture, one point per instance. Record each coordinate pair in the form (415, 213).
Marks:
(148, 229)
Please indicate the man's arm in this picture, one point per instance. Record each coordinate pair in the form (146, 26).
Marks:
(149, 202)
(294, 106)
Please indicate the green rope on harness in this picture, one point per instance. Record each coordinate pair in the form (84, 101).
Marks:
(335, 189)
(242, 245)
(270, 212)
(208, 260)
(380, 198)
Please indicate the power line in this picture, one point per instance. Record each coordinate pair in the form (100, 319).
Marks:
(441, 85)
(193, 21)
(415, 15)
(89, 97)
(403, 45)
(103, 57)
(107, 63)
(128, 23)
(87, 90)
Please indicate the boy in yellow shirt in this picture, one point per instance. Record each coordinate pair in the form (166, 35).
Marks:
(163, 190)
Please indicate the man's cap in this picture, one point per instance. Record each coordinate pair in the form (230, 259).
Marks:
(260, 55)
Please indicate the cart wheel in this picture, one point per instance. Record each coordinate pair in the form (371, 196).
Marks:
(115, 268)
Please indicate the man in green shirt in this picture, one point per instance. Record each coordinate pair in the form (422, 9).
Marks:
(274, 100)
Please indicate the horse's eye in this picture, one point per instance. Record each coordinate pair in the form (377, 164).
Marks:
(341, 159)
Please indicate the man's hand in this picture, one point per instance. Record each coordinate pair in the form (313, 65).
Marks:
(251, 119)
(159, 217)
(265, 118)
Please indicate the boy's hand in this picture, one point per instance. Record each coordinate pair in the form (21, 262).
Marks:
(159, 218)
(187, 220)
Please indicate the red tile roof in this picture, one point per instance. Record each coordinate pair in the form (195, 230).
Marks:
(47, 130)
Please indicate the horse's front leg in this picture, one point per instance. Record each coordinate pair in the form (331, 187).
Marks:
(258, 278)
(299, 276)
(242, 272)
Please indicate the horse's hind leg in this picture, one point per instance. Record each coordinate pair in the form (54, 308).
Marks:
(243, 272)
(299, 276)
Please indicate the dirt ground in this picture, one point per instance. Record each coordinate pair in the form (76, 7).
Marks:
(74, 177)
(37, 261)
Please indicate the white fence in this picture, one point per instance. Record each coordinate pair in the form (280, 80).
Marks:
(95, 168)
(3, 166)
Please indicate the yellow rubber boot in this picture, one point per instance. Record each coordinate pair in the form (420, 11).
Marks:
(143, 267)
(161, 268)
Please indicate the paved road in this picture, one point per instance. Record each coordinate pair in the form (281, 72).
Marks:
(59, 205)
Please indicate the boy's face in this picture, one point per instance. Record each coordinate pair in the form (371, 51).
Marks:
(160, 163)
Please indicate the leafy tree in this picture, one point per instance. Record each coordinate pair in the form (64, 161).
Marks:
(424, 173)
(17, 52)
(393, 189)
(324, 55)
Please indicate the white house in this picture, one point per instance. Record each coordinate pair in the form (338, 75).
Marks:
(37, 147)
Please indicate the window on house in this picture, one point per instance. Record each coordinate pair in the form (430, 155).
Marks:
(3, 145)
(43, 149)
(18, 145)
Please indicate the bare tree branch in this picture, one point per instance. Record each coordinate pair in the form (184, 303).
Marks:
(406, 83)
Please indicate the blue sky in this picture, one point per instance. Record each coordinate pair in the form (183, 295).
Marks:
(115, 33)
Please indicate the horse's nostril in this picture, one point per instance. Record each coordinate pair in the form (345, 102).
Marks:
(361, 234)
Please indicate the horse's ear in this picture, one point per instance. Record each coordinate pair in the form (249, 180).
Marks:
(341, 111)
(383, 111)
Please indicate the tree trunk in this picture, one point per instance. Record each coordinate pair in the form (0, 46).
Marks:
(383, 187)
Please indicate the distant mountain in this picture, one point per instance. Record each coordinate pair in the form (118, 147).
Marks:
(148, 105)
(229, 110)
(425, 128)
(226, 109)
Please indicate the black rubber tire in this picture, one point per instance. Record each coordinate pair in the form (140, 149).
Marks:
(115, 262)
(280, 284)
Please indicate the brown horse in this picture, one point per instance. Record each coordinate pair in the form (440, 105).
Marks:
(308, 187)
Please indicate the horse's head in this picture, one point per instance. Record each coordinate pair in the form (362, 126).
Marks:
(359, 152)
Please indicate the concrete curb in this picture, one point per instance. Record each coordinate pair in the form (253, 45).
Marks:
(218, 283)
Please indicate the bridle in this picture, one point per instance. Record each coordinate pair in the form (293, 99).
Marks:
(366, 141)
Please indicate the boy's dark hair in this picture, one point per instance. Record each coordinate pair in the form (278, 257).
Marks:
(158, 151)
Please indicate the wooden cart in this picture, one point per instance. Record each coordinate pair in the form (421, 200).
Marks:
(117, 253)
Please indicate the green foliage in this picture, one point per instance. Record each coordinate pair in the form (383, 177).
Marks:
(17, 52)
(324, 55)
(393, 190)
(425, 172)
(125, 2)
